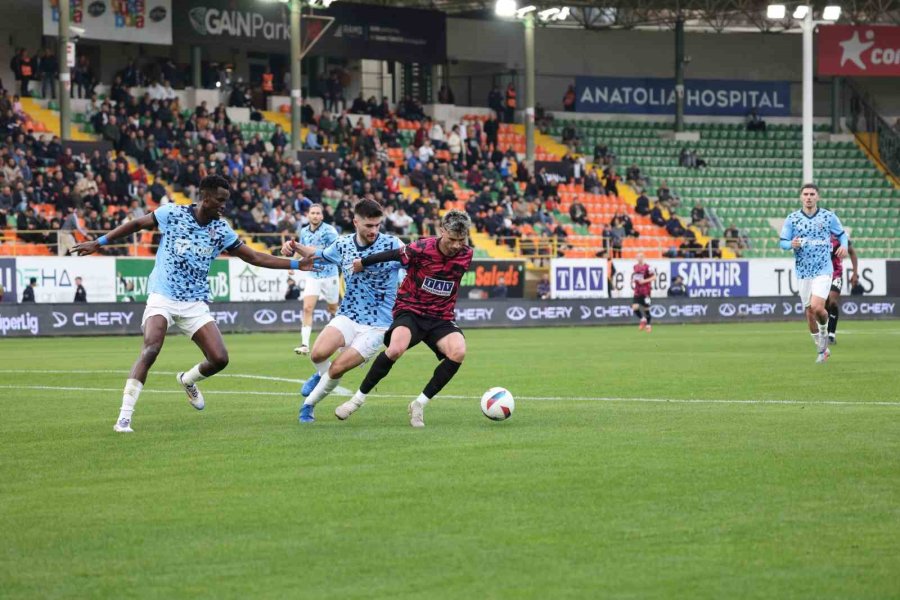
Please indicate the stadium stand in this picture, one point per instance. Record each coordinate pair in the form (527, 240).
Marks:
(750, 178)
(418, 168)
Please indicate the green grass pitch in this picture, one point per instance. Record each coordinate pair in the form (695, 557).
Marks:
(713, 461)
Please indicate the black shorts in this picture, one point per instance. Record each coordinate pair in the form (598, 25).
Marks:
(836, 284)
(423, 329)
(641, 300)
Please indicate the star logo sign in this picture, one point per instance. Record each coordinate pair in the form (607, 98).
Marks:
(854, 47)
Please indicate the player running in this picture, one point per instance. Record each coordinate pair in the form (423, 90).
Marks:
(193, 236)
(808, 233)
(641, 281)
(323, 283)
(423, 312)
(833, 305)
(365, 311)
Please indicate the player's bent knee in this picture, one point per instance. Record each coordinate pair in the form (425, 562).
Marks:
(457, 354)
(218, 360)
(395, 352)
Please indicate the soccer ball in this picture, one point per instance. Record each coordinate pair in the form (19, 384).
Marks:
(497, 404)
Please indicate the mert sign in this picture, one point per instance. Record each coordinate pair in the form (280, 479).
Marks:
(864, 50)
(656, 96)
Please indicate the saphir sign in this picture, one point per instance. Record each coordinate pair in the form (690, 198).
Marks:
(656, 96)
(358, 31)
(712, 278)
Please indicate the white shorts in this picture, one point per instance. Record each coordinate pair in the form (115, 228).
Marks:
(186, 316)
(365, 339)
(327, 288)
(817, 286)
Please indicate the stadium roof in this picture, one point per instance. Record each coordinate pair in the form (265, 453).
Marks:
(699, 15)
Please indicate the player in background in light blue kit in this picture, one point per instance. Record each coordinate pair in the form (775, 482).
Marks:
(365, 312)
(319, 284)
(193, 236)
(808, 233)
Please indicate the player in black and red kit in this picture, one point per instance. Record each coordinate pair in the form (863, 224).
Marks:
(424, 310)
(832, 304)
(641, 281)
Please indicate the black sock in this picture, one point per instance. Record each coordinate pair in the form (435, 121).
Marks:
(833, 316)
(637, 312)
(443, 373)
(381, 366)
(648, 316)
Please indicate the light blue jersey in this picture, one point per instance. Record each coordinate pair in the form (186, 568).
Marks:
(370, 295)
(321, 238)
(813, 258)
(186, 252)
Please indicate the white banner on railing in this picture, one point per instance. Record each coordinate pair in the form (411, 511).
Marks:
(578, 278)
(776, 277)
(55, 277)
(258, 283)
(587, 278)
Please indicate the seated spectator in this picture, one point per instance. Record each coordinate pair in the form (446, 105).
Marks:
(543, 287)
(656, 215)
(674, 227)
(677, 287)
(570, 137)
(312, 139)
(734, 239)
(601, 153)
(578, 213)
(755, 122)
(426, 152)
(627, 224)
(689, 159)
(663, 193)
(359, 106)
(634, 178)
(642, 207)
(611, 184)
(698, 219)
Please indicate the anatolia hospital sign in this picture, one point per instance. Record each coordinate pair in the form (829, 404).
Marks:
(859, 50)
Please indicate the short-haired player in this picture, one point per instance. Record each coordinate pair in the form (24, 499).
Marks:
(365, 311)
(323, 283)
(808, 232)
(424, 311)
(193, 236)
(642, 279)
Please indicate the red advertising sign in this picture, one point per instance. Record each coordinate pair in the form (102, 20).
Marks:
(860, 50)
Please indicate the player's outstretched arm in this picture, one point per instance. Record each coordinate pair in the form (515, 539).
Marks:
(374, 259)
(290, 248)
(123, 230)
(261, 259)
